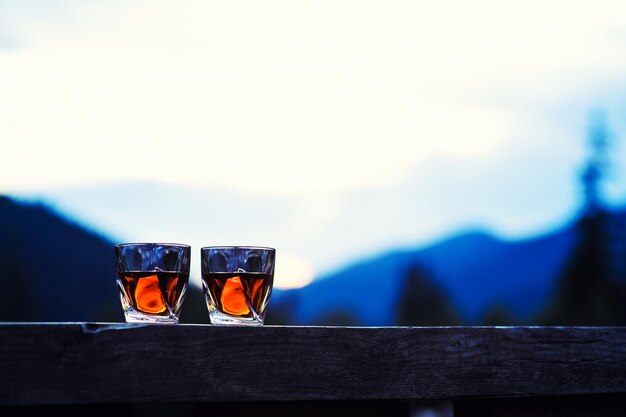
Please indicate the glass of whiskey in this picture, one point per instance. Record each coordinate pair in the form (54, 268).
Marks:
(237, 283)
(152, 279)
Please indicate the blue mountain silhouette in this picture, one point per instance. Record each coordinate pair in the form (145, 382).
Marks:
(52, 269)
(476, 270)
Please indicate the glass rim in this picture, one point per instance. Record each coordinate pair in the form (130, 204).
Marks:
(172, 245)
(266, 248)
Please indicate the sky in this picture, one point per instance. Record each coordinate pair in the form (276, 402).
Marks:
(332, 130)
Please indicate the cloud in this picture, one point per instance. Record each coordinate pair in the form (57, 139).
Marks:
(283, 97)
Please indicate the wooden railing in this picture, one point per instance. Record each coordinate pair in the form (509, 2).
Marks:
(123, 369)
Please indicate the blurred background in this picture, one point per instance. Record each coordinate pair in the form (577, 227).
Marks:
(412, 163)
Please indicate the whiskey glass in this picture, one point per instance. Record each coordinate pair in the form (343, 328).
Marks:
(152, 280)
(237, 283)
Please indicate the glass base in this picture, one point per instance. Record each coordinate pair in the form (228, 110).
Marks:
(221, 319)
(133, 316)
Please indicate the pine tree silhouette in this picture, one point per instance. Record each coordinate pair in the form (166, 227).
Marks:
(422, 302)
(587, 293)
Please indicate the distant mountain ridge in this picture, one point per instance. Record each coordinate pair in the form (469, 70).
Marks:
(476, 270)
(52, 269)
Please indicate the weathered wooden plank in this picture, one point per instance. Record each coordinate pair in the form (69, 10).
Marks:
(78, 363)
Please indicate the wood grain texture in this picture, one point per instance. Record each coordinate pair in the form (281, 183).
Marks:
(79, 363)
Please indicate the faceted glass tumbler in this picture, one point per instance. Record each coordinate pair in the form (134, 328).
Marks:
(237, 283)
(152, 280)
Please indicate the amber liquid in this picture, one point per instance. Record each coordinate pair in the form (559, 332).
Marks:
(239, 294)
(152, 292)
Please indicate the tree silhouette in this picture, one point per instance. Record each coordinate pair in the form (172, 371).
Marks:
(15, 286)
(422, 302)
(498, 315)
(587, 292)
(283, 313)
(338, 318)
